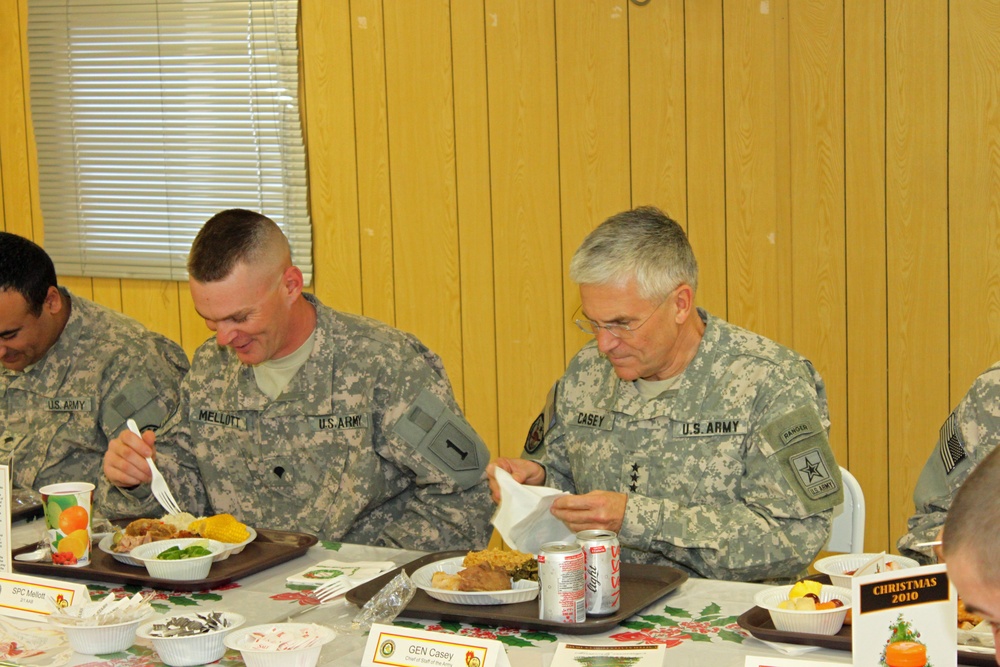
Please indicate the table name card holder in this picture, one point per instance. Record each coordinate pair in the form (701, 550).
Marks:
(391, 646)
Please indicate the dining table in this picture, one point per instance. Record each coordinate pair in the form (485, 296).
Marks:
(696, 622)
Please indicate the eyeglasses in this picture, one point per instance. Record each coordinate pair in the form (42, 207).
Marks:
(617, 330)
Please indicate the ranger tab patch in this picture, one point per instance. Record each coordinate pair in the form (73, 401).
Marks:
(812, 473)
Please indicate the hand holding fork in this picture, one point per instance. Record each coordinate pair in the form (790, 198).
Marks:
(159, 485)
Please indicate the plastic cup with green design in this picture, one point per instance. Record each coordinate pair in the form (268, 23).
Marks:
(67, 521)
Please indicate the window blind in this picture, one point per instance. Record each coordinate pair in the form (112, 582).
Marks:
(150, 116)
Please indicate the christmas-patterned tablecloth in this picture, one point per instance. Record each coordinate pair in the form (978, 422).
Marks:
(697, 622)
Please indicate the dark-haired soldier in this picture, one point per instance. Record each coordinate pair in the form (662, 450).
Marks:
(73, 373)
(296, 416)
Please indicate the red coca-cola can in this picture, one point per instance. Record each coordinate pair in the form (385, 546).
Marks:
(561, 580)
(604, 570)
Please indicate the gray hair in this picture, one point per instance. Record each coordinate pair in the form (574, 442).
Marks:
(970, 526)
(643, 244)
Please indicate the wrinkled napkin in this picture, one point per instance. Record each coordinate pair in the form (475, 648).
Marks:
(524, 519)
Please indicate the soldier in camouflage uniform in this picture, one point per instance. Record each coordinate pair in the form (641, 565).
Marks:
(299, 417)
(73, 372)
(969, 434)
(703, 445)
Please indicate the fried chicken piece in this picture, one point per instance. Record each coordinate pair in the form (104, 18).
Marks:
(966, 619)
(484, 577)
(445, 581)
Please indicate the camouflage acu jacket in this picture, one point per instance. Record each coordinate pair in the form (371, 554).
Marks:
(967, 436)
(729, 475)
(365, 445)
(58, 416)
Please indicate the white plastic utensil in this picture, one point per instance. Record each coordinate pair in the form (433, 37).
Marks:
(159, 485)
(328, 592)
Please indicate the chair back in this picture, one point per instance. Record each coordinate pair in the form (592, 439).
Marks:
(848, 532)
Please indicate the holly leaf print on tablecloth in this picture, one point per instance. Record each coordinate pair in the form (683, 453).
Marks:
(676, 626)
(330, 546)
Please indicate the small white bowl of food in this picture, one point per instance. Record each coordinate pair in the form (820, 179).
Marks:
(807, 606)
(841, 567)
(102, 626)
(184, 559)
(191, 639)
(280, 644)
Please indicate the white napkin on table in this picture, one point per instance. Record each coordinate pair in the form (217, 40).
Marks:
(358, 571)
(524, 519)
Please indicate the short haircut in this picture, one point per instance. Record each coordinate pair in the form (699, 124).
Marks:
(643, 244)
(970, 526)
(27, 269)
(233, 237)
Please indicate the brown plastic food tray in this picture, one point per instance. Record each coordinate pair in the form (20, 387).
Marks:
(269, 549)
(757, 621)
(29, 511)
(642, 585)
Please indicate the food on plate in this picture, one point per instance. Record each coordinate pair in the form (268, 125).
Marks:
(518, 565)
(805, 596)
(176, 553)
(478, 578)
(221, 527)
(890, 566)
(966, 619)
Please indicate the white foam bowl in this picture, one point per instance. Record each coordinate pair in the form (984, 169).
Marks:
(106, 544)
(836, 566)
(187, 569)
(819, 622)
(303, 657)
(100, 639)
(191, 649)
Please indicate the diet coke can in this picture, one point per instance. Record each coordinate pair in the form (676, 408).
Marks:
(604, 570)
(562, 596)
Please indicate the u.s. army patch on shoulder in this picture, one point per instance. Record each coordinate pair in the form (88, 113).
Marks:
(812, 473)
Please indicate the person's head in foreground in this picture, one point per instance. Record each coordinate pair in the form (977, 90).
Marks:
(637, 276)
(971, 545)
(244, 285)
(32, 310)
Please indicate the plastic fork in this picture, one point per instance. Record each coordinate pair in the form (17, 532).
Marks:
(159, 485)
(328, 592)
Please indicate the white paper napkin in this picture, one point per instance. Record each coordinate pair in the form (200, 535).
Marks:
(524, 519)
(324, 571)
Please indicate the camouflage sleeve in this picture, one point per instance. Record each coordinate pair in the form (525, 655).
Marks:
(422, 431)
(967, 436)
(547, 430)
(782, 512)
(175, 458)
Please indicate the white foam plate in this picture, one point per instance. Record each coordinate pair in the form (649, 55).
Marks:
(105, 545)
(522, 591)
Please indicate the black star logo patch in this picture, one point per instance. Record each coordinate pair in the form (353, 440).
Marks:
(812, 469)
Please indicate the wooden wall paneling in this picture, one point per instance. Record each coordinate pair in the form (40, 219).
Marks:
(372, 137)
(520, 53)
(475, 222)
(107, 292)
(819, 318)
(328, 124)
(705, 149)
(421, 122)
(155, 303)
(83, 287)
(592, 62)
(865, 254)
(974, 190)
(655, 45)
(193, 329)
(917, 238)
(756, 195)
(14, 130)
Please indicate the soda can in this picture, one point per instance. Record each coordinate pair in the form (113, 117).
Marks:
(561, 581)
(604, 570)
